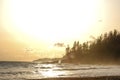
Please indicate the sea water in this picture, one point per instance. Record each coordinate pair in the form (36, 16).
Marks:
(30, 70)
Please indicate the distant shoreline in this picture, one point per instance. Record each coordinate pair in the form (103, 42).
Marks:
(56, 61)
(82, 78)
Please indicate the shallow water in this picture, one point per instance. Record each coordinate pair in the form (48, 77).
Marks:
(24, 70)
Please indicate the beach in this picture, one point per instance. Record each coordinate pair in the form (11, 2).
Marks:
(83, 78)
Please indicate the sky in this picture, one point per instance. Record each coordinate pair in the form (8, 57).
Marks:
(30, 28)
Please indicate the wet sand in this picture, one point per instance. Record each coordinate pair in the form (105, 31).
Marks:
(83, 78)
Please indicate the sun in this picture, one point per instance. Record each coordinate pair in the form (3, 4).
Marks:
(53, 21)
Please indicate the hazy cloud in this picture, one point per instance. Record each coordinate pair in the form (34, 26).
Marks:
(59, 45)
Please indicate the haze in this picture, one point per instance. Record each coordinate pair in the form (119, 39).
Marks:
(30, 28)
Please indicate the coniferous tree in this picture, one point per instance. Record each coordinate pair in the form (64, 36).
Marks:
(105, 47)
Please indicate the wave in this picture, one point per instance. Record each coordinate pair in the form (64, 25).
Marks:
(34, 70)
(6, 65)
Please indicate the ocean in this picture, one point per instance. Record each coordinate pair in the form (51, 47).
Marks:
(31, 70)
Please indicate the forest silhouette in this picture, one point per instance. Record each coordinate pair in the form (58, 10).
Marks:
(103, 49)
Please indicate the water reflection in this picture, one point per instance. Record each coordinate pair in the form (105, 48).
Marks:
(49, 70)
(51, 73)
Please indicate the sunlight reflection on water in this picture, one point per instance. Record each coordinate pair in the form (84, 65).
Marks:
(49, 70)
(51, 73)
(68, 70)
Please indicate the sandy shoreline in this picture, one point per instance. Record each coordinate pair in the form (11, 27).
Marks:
(82, 78)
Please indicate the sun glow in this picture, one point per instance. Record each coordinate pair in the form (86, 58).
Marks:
(53, 21)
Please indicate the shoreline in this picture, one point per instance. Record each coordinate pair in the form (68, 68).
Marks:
(81, 78)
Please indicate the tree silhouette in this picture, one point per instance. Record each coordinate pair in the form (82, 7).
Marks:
(104, 48)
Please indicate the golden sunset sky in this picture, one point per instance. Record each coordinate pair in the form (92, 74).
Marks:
(30, 28)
